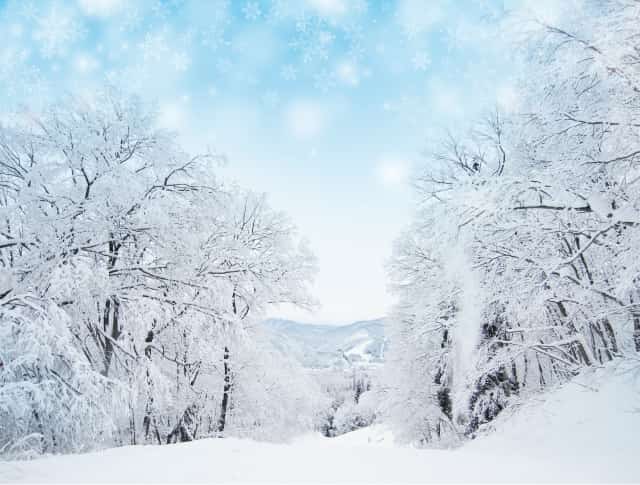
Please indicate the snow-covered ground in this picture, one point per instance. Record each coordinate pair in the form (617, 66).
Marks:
(589, 430)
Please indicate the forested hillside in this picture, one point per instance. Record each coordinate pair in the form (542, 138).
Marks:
(359, 344)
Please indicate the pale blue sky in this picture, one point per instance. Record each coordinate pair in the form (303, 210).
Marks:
(324, 104)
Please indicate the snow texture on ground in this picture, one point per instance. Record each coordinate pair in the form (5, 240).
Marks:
(586, 431)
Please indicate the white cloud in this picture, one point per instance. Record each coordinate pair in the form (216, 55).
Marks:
(305, 119)
(100, 8)
(393, 172)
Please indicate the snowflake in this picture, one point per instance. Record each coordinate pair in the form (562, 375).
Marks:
(289, 73)
(154, 46)
(181, 61)
(251, 11)
(56, 31)
(303, 24)
(421, 61)
(286, 9)
(325, 37)
(315, 43)
(131, 19)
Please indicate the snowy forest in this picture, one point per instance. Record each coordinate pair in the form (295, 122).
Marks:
(521, 267)
(135, 278)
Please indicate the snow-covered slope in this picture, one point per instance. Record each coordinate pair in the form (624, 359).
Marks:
(322, 346)
(586, 431)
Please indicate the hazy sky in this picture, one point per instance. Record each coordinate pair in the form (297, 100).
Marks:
(325, 105)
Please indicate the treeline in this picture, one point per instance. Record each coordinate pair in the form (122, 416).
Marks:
(132, 281)
(522, 265)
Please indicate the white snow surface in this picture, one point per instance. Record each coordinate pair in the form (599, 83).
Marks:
(586, 431)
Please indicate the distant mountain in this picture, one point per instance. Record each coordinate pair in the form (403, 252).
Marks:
(320, 346)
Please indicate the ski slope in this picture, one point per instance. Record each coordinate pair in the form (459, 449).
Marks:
(588, 430)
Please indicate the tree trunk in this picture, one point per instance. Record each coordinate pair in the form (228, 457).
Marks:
(225, 393)
(111, 327)
(181, 431)
(110, 317)
(635, 315)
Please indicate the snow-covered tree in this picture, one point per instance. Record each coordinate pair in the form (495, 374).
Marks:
(520, 268)
(132, 281)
